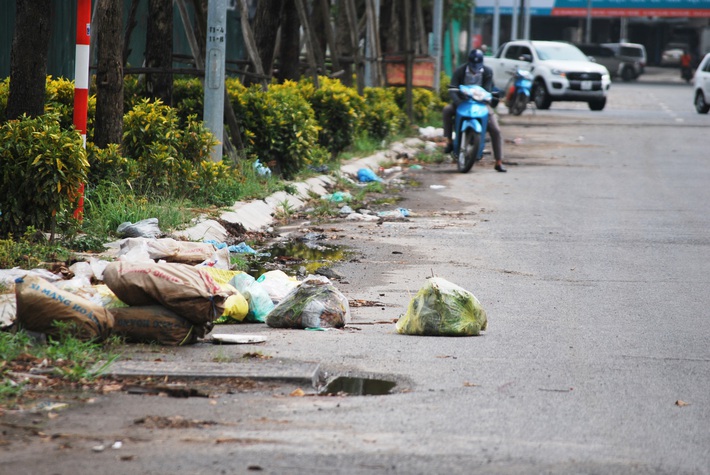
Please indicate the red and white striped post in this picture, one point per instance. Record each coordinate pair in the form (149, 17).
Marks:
(81, 81)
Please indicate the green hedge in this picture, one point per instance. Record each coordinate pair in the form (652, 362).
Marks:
(165, 150)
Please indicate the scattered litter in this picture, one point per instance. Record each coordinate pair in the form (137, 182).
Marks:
(98, 448)
(261, 169)
(237, 339)
(366, 175)
(415, 167)
(437, 187)
(362, 217)
(345, 210)
(147, 228)
(47, 406)
(117, 445)
(338, 197)
(242, 248)
(389, 171)
(431, 132)
(315, 303)
(397, 213)
(443, 308)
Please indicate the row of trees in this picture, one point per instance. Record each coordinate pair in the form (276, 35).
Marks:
(333, 32)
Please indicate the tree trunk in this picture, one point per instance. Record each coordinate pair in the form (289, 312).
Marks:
(109, 75)
(159, 49)
(266, 23)
(28, 58)
(290, 49)
(342, 38)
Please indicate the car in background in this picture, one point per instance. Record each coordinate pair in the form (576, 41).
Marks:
(633, 52)
(701, 86)
(670, 56)
(626, 68)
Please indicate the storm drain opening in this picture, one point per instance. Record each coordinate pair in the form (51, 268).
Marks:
(352, 386)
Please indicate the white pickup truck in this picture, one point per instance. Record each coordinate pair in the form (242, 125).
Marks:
(560, 70)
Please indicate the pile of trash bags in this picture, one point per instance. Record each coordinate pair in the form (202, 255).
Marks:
(144, 298)
(173, 293)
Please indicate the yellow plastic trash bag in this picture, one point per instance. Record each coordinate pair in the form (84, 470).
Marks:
(443, 308)
(235, 308)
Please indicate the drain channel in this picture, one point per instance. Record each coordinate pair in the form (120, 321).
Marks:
(358, 386)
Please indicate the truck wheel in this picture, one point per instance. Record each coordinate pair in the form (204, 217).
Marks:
(597, 105)
(541, 97)
(627, 74)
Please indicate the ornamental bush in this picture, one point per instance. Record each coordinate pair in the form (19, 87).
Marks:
(42, 166)
(381, 117)
(337, 109)
(279, 126)
(425, 103)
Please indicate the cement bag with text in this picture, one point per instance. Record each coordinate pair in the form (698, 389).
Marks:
(155, 324)
(41, 304)
(186, 290)
(315, 303)
(443, 308)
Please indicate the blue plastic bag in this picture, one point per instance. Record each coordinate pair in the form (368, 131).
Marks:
(366, 175)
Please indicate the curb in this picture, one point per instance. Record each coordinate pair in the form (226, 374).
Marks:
(257, 215)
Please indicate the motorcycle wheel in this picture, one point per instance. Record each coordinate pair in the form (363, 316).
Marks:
(520, 103)
(470, 144)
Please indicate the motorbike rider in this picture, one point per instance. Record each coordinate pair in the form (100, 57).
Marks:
(474, 72)
(686, 71)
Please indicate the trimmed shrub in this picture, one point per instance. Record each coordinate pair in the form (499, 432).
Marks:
(279, 126)
(42, 166)
(337, 109)
(381, 117)
(424, 103)
(188, 99)
(167, 159)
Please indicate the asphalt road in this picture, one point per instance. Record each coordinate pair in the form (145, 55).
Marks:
(591, 258)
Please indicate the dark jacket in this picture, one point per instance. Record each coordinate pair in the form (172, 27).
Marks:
(459, 78)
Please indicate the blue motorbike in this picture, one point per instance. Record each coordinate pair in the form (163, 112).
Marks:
(517, 93)
(470, 126)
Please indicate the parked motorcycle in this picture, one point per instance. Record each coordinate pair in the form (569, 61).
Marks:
(517, 93)
(470, 126)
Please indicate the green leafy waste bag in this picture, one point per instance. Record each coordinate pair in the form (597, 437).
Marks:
(443, 308)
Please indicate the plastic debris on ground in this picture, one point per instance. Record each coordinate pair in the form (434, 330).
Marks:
(345, 210)
(147, 228)
(443, 308)
(258, 299)
(431, 132)
(362, 217)
(397, 213)
(338, 197)
(237, 338)
(366, 175)
(315, 303)
(262, 169)
(278, 284)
